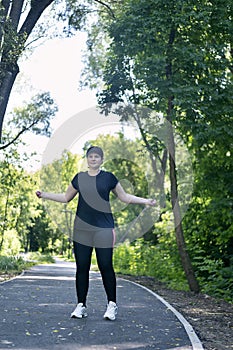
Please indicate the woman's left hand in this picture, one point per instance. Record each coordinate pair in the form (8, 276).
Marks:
(151, 202)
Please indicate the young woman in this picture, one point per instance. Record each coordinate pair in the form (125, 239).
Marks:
(94, 227)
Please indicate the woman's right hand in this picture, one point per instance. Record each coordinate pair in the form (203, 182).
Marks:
(38, 193)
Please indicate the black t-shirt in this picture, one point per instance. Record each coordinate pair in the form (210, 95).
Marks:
(93, 203)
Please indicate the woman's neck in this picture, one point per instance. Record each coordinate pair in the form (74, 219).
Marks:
(93, 172)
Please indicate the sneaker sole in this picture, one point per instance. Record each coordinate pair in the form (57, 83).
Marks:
(83, 316)
(109, 319)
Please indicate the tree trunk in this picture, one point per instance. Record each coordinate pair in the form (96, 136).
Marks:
(4, 220)
(158, 182)
(185, 259)
(5, 90)
(184, 255)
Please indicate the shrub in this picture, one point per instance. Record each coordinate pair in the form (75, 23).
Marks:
(11, 244)
(12, 264)
(141, 258)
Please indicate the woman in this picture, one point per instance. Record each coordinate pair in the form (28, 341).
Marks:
(94, 227)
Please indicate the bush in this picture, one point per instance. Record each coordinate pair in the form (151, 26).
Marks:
(12, 264)
(39, 258)
(11, 244)
(215, 278)
(141, 258)
(16, 264)
(220, 284)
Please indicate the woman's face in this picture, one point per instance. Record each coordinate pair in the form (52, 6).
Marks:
(94, 160)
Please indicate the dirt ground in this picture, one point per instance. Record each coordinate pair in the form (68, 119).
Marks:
(212, 319)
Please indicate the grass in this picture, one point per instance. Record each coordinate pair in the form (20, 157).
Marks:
(11, 266)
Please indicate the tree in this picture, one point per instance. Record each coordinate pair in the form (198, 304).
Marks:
(35, 116)
(41, 233)
(179, 68)
(10, 176)
(16, 29)
(55, 177)
(13, 42)
(17, 199)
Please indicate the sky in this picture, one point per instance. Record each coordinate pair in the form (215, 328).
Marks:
(56, 66)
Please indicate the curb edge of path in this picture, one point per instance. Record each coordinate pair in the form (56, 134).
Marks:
(13, 278)
(195, 341)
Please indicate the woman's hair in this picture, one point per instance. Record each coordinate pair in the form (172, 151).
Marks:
(95, 149)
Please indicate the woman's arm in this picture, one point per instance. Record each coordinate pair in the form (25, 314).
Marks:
(59, 197)
(130, 198)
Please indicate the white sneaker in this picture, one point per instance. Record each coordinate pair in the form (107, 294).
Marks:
(79, 312)
(111, 311)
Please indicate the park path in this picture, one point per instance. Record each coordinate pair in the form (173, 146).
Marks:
(35, 314)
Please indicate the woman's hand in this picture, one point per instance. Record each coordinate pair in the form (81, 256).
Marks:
(130, 198)
(59, 197)
(151, 202)
(39, 194)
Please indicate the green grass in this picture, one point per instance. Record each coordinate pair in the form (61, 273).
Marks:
(39, 258)
(14, 265)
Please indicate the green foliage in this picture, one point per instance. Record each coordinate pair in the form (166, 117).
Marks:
(24, 224)
(16, 264)
(13, 264)
(142, 258)
(42, 232)
(162, 262)
(11, 244)
(181, 52)
(17, 203)
(56, 177)
(215, 278)
(39, 258)
(34, 116)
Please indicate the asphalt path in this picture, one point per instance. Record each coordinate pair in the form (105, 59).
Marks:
(35, 313)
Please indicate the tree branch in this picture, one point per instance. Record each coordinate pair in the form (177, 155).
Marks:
(5, 5)
(34, 14)
(19, 134)
(106, 5)
(15, 12)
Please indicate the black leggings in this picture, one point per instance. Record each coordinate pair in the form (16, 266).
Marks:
(83, 255)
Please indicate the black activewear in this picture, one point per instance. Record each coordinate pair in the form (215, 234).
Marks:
(94, 227)
(93, 204)
(83, 262)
